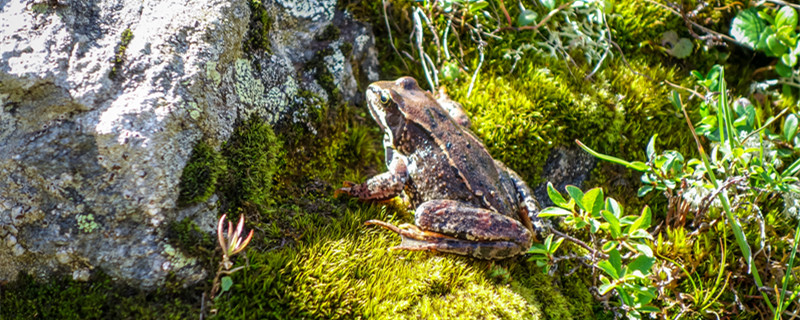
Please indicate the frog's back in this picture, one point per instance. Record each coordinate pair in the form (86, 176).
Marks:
(451, 163)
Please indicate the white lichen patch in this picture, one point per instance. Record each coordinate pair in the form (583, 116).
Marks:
(86, 223)
(335, 64)
(176, 258)
(249, 89)
(315, 10)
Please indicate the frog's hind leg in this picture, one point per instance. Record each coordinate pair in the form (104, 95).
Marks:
(415, 239)
(455, 227)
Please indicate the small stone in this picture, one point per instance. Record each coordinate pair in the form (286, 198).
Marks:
(63, 257)
(18, 250)
(11, 241)
(80, 275)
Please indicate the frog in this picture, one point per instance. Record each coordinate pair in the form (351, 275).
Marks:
(466, 202)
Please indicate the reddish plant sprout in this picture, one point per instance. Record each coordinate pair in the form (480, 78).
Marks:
(232, 242)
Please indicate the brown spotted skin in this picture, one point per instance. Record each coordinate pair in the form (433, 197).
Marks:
(467, 202)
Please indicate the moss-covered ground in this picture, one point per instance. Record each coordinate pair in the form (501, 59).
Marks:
(313, 258)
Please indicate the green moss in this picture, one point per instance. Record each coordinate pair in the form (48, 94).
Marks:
(99, 298)
(199, 178)
(330, 33)
(324, 76)
(260, 25)
(119, 57)
(252, 154)
(344, 270)
(188, 237)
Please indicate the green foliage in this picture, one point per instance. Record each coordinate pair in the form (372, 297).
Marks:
(119, 56)
(743, 154)
(199, 178)
(28, 298)
(619, 235)
(260, 25)
(774, 32)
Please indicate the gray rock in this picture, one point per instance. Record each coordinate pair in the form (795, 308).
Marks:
(95, 132)
(564, 166)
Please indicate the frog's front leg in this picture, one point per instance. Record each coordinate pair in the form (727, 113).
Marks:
(384, 186)
(456, 227)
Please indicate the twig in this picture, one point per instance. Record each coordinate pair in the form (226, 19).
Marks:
(505, 12)
(391, 41)
(579, 243)
(677, 86)
(784, 3)
(766, 124)
(478, 68)
(707, 30)
(622, 54)
(707, 200)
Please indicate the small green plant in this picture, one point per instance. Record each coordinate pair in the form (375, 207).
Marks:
(119, 56)
(231, 243)
(614, 235)
(732, 184)
(773, 32)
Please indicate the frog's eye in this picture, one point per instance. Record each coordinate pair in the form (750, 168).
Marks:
(385, 97)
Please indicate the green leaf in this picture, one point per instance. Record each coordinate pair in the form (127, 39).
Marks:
(786, 16)
(790, 127)
(606, 288)
(789, 59)
(555, 245)
(651, 145)
(613, 206)
(227, 282)
(593, 200)
(608, 267)
(645, 250)
(608, 246)
(643, 222)
(746, 27)
(577, 195)
(640, 233)
(556, 197)
(613, 223)
(526, 18)
(682, 49)
(775, 46)
(643, 190)
(638, 166)
(641, 264)
(783, 70)
(549, 4)
(477, 5)
(554, 212)
(594, 224)
(616, 260)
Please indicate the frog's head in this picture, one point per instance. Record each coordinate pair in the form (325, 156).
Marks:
(395, 104)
